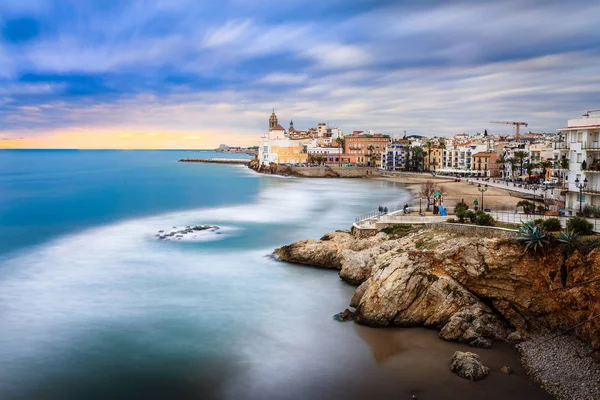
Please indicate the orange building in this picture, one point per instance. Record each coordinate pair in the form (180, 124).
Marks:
(364, 149)
(484, 164)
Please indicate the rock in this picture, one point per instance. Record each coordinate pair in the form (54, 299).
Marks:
(481, 343)
(506, 370)
(473, 290)
(337, 250)
(468, 366)
(345, 315)
(405, 290)
(180, 234)
(516, 337)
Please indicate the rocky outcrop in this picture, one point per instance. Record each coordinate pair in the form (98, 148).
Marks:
(178, 234)
(406, 290)
(338, 250)
(473, 290)
(468, 365)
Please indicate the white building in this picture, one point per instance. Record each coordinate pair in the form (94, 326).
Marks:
(394, 157)
(459, 159)
(582, 140)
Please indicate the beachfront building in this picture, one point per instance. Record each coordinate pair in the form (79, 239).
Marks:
(329, 154)
(394, 157)
(485, 165)
(582, 140)
(365, 149)
(434, 154)
(514, 151)
(277, 146)
(458, 159)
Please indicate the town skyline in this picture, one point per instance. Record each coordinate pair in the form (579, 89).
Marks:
(189, 74)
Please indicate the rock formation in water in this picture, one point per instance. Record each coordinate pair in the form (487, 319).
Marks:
(468, 365)
(473, 290)
(178, 234)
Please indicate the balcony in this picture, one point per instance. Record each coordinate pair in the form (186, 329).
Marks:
(591, 189)
(590, 146)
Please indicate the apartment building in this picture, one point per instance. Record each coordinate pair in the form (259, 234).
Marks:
(582, 141)
(394, 157)
(365, 149)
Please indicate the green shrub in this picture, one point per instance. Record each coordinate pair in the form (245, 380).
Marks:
(552, 225)
(484, 219)
(460, 210)
(580, 226)
(470, 215)
(541, 209)
(396, 228)
(533, 236)
(528, 207)
(587, 211)
(539, 221)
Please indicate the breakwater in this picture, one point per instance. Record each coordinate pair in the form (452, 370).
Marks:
(216, 160)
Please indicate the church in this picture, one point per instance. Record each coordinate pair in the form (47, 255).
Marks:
(282, 147)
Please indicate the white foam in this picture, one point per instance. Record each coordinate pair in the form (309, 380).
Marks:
(51, 295)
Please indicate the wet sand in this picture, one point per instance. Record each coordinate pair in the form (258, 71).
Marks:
(419, 364)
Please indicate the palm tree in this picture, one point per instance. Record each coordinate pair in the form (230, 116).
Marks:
(545, 166)
(502, 162)
(429, 146)
(371, 159)
(530, 167)
(521, 156)
(564, 165)
(341, 144)
(418, 157)
(513, 163)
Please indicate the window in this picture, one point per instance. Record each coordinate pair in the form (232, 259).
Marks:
(578, 157)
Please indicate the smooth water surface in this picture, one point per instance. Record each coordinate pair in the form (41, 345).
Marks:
(94, 306)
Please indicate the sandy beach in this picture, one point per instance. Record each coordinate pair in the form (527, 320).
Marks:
(494, 198)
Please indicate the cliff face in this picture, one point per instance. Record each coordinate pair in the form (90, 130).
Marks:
(473, 290)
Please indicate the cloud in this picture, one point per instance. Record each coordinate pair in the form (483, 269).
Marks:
(227, 33)
(213, 70)
(277, 78)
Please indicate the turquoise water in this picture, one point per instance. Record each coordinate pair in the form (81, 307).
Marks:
(94, 306)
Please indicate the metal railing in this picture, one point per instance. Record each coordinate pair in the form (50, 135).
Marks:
(518, 218)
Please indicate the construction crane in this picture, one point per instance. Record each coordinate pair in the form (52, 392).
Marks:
(517, 124)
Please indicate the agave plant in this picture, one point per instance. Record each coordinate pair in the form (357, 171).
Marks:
(569, 238)
(533, 236)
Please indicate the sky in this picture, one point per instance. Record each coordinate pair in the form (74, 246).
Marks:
(197, 73)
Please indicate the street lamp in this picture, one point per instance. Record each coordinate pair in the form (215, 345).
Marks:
(482, 189)
(581, 186)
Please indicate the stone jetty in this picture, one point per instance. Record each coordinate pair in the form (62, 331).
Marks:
(216, 160)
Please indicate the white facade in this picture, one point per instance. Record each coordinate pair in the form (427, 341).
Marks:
(582, 139)
(394, 157)
(459, 159)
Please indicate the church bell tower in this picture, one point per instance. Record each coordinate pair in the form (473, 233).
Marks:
(273, 122)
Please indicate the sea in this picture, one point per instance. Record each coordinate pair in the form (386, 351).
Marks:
(93, 305)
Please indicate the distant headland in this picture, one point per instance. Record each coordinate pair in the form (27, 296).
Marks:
(223, 148)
